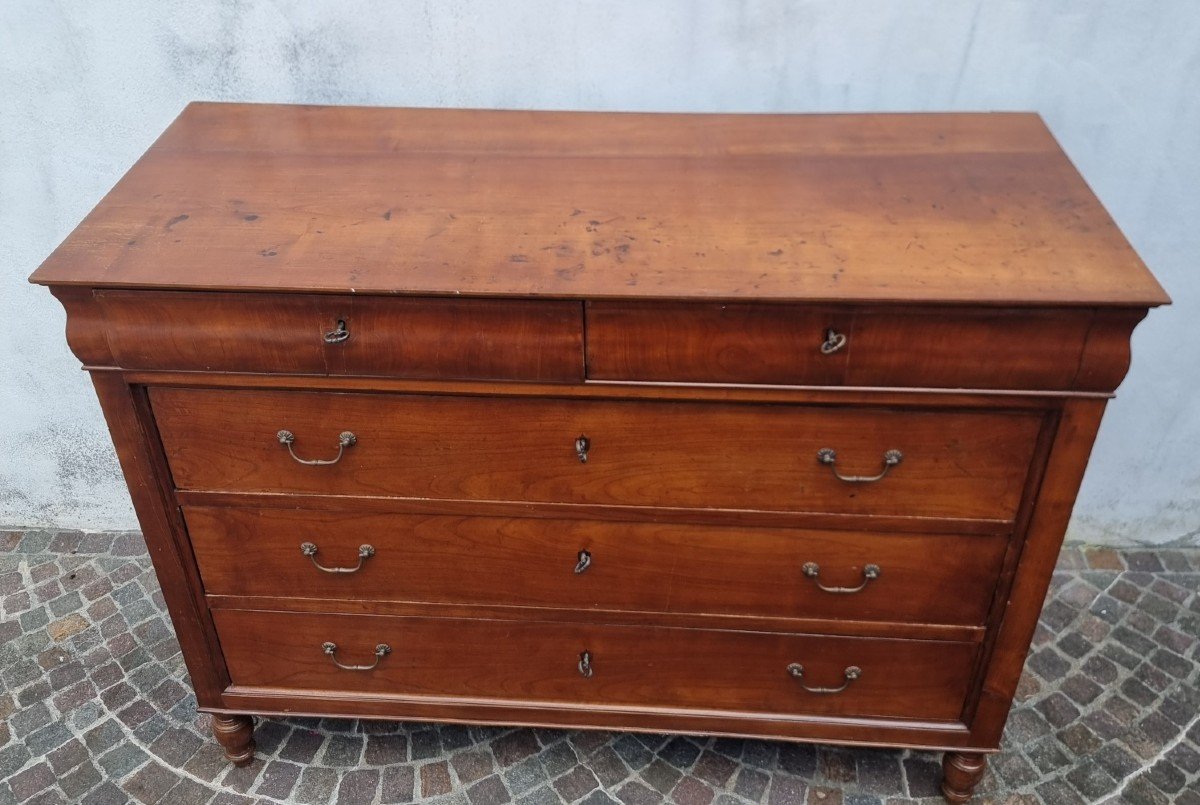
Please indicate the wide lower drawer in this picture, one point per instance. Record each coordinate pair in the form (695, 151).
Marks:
(597, 665)
(593, 565)
(408, 337)
(835, 345)
(932, 463)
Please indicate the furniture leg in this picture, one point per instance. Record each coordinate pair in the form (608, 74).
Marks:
(961, 772)
(236, 735)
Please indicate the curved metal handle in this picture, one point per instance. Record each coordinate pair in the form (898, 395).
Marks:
(365, 552)
(338, 334)
(813, 570)
(585, 664)
(834, 341)
(585, 561)
(345, 439)
(582, 445)
(852, 672)
(381, 651)
(827, 455)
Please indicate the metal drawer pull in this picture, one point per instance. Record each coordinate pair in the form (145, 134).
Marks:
(345, 439)
(381, 651)
(585, 664)
(833, 342)
(851, 673)
(365, 552)
(827, 455)
(582, 445)
(585, 561)
(813, 570)
(338, 335)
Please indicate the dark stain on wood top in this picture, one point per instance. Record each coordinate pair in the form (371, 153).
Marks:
(926, 208)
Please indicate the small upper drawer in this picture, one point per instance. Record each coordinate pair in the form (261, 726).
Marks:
(830, 346)
(434, 338)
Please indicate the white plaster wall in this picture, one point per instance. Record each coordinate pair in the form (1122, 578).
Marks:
(85, 86)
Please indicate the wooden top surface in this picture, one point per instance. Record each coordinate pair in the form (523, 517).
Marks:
(922, 208)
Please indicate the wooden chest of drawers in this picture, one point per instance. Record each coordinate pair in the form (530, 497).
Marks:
(745, 425)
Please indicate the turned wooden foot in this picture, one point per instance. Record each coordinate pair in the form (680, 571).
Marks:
(236, 735)
(961, 772)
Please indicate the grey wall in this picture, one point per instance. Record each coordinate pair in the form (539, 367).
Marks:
(86, 86)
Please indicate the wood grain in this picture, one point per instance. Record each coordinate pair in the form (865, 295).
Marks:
(524, 660)
(127, 413)
(875, 732)
(1043, 540)
(962, 772)
(508, 339)
(659, 284)
(962, 464)
(965, 208)
(299, 602)
(644, 567)
(781, 344)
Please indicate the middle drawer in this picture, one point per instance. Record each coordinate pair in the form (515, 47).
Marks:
(960, 464)
(596, 565)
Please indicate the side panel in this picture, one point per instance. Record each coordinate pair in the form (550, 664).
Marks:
(127, 412)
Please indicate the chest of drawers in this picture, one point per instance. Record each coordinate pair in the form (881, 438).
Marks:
(744, 425)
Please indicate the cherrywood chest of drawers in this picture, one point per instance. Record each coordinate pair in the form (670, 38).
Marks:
(746, 425)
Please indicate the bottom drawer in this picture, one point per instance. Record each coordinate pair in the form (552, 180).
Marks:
(597, 665)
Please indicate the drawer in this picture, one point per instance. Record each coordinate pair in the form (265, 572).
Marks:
(786, 345)
(955, 464)
(405, 337)
(596, 565)
(597, 665)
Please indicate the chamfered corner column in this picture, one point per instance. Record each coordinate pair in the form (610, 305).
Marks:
(961, 772)
(236, 735)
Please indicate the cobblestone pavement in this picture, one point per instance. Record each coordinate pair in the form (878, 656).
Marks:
(95, 707)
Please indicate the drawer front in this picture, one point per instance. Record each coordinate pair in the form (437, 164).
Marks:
(346, 335)
(788, 345)
(586, 664)
(955, 464)
(593, 565)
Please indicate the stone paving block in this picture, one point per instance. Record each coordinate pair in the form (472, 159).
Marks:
(631, 750)
(32, 780)
(150, 783)
(396, 784)
(317, 785)
(488, 790)
(278, 779)
(242, 778)
(680, 752)
(106, 794)
(637, 793)
(692, 791)
(540, 796)
(576, 783)
(435, 779)
(188, 792)
(525, 775)
(787, 790)
(924, 776)
(93, 680)
(302, 746)
(558, 758)
(661, 776)
(358, 785)
(75, 784)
